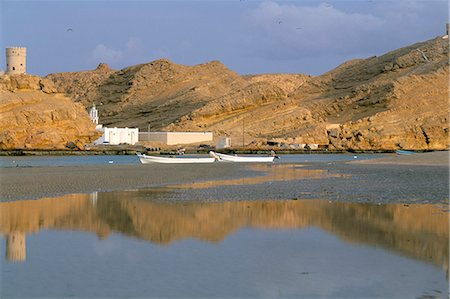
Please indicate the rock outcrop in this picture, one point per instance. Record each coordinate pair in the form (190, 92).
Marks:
(396, 101)
(34, 116)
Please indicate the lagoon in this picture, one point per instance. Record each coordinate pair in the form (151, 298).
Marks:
(312, 226)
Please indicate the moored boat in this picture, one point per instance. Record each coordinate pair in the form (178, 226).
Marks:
(244, 159)
(145, 159)
(403, 152)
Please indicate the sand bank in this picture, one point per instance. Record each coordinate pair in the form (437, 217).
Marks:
(428, 159)
(419, 178)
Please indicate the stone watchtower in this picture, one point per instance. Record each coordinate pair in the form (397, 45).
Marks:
(16, 60)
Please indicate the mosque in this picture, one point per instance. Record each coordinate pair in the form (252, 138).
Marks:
(113, 136)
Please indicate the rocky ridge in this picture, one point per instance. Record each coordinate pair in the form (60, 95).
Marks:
(34, 116)
(396, 101)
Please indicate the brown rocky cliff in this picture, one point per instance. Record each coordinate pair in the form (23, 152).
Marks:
(34, 116)
(396, 101)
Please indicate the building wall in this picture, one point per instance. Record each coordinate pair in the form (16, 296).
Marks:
(172, 138)
(16, 60)
(115, 136)
(224, 142)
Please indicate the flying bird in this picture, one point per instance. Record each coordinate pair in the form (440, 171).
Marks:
(69, 29)
(279, 22)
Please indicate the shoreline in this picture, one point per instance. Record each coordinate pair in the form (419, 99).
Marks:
(134, 151)
(419, 178)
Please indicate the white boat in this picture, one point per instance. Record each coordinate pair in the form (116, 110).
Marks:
(231, 158)
(403, 152)
(145, 159)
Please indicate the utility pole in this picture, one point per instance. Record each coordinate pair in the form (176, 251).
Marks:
(148, 132)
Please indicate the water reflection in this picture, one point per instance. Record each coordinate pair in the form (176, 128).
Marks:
(416, 231)
(268, 173)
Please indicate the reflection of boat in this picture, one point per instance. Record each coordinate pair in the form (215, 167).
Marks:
(402, 152)
(230, 158)
(173, 160)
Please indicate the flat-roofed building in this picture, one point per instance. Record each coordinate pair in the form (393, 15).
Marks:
(173, 138)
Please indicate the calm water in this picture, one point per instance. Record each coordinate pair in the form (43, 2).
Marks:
(129, 244)
(30, 161)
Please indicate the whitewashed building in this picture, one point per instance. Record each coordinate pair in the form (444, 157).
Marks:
(173, 138)
(113, 136)
(116, 136)
(224, 142)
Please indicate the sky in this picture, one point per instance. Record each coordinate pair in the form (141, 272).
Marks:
(249, 37)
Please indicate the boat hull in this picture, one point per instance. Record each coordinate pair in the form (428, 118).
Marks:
(229, 158)
(172, 160)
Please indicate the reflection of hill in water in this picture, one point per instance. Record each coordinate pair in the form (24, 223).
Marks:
(419, 231)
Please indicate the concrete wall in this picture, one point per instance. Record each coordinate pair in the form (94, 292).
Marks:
(172, 138)
(16, 60)
(115, 136)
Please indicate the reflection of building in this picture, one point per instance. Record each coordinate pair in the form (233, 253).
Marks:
(144, 214)
(16, 247)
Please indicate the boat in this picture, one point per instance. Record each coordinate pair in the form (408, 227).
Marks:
(145, 159)
(403, 152)
(231, 158)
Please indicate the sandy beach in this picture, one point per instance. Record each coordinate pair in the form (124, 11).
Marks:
(415, 178)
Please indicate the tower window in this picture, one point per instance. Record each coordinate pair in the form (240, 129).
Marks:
(21, 64)
(14, 68)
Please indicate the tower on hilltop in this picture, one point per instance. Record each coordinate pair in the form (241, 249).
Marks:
(16, 60)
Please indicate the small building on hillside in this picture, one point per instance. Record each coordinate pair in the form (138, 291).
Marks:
(224, 142)
(113, 136)
(173, 138)
(116, 136)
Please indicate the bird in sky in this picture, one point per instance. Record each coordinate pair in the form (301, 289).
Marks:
(279, 22)
(69, 29)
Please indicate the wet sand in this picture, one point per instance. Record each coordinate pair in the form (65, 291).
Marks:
(426, 159)
(416, 178)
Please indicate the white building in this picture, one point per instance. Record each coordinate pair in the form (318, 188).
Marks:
(173, 138)
(93, 113)
(113, 136)
(224, 142)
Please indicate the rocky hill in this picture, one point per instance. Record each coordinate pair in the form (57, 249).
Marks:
(396, 101)
(34, 116)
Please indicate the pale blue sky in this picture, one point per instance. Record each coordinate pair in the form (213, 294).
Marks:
(249, 37)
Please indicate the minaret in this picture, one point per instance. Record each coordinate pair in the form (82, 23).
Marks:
(93, 113)
(16, 60)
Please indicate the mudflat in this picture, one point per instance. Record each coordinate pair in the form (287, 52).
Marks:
(418, 178)
(440, 158)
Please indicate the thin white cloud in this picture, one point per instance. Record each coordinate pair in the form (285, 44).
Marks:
(289, 31)
(131, 52)
(102, 53)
